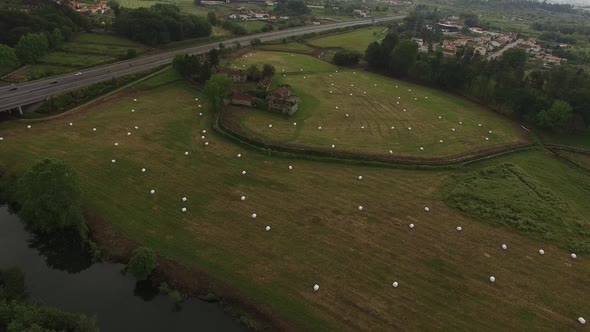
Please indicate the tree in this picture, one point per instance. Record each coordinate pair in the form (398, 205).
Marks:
(212, 18)
(8, 58)
(403, 57)
(556, 117)
(254, 72)
(216, 90)
(213, 56)
(346, 58)
(142, 262)
(50, 195)
(31, 46)
(268, 69)
(115, 6)
(515, 58)
(57, 38)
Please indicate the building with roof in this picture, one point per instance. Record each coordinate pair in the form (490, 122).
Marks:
(283, 101)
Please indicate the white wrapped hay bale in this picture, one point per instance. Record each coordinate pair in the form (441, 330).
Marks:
(395, 284)
(541, 251)
(183, 209)
(267, 228)
(152, 191)
(504, 247)
(582, 320)
(411, 226)
(492, 279)
(253, 216)
(316, 287)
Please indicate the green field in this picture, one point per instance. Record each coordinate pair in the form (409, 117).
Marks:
(142, 3)
(318, 234)
(356, 40)
(376, 123)
(85, 50)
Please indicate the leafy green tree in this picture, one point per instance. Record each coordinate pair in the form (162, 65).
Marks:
(515, 58)
(556, 117)
(115, 6)
(214, 57)
(31, 46)
(56, 38)
(254, 72)
(216, 90)
(142, 262)
(403, 57)
(212, 18)
(8, 58)
(268, 69)
(50, 195)
(346, 58)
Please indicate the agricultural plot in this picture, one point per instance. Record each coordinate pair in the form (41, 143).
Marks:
(318, 234)
(365, 113)
(142, 3)
(356, 40)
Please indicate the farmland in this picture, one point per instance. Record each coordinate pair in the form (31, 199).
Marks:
(356, 40)
(366, 113)
(318, 234)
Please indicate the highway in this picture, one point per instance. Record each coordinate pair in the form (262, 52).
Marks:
(23, 94)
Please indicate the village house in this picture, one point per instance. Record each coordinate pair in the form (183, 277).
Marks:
(282, 101)
(236, 75)
(449, 47)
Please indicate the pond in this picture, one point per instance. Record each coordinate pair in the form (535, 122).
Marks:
(71, 282)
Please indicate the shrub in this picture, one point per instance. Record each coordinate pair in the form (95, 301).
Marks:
(346, 58)
(142, 263)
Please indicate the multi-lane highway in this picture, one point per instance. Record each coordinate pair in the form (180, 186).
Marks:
(31, 92)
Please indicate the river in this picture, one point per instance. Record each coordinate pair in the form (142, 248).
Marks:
(100, 289)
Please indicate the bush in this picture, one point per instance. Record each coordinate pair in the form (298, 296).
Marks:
(142, 263)
(346, 58)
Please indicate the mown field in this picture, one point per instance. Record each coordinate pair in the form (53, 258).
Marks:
(318, 235)
(356, 40)
(367, 113)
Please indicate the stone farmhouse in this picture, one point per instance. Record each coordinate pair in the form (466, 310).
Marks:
(283, 101)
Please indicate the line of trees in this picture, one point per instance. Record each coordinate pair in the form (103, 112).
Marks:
(159, 24)
(557, 99)
(17, 313)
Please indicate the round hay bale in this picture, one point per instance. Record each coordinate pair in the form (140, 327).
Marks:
(136, 127)
(541, 251)
(269, 126)
(316, 287)
(459, 228)
(582, 320)
(243, 172)
(93, 129)
(243, 198)
(504, 247)
(421, 148)
(143, 170)
(574, 256)
(128, 133)
(395, 284)
(294, 123)
(184, 199)
(333, 146)
(426, 208)
(204, 131)
(492, 279)
(360, 177)
(360, 207)
(239, 155)
(290, 167)
(186, 153)
(320, 128)
(253, 216)
(71, 124)
(206, 143)
(183, 209)
(113, 161)
(267, 228)
(152, 191)
(411, 226)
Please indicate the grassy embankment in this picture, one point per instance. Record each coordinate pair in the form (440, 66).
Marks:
(84, 51)
(356, 40)
(318, 234)
(376, 122)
